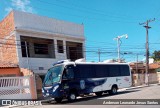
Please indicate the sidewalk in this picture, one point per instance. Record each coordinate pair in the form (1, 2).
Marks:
(141, 86)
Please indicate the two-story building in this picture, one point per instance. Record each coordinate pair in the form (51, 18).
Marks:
(36, 42)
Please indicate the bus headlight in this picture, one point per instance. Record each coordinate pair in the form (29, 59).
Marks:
(42, 90)
(55, 88)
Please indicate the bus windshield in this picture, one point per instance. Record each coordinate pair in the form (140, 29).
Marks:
(53, 75)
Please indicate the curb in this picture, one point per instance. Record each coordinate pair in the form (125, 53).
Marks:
(137, 87)
(9, 106)
(142, 86)
(46, 100)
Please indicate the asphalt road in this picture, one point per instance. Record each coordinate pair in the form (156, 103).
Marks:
(151, 92)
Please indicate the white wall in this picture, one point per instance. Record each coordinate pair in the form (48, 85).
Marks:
(40, 23)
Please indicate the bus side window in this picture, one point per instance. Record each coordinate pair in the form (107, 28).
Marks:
(68, 73)
(125, 70)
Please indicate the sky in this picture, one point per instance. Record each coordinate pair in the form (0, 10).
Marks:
(103, 21)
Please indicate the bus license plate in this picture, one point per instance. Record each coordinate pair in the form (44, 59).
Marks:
(47, 94)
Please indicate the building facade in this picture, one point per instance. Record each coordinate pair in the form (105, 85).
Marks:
(36, 42)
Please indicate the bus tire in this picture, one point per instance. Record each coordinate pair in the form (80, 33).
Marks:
(58, 100)
(113, 90)
(99, 93)
(72, 96)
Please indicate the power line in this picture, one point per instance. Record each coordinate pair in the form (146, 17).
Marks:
(84, 9)
(78, 16)
(91, 46)
(102, 12)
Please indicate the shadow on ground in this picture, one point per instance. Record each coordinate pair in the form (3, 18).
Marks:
(87, 98)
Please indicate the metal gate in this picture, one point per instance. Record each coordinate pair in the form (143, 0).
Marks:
(15, 88)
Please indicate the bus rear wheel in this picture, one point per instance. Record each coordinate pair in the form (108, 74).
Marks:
(58, 100)
(113, 90)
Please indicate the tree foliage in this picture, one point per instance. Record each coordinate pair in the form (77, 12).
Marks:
(156, 55)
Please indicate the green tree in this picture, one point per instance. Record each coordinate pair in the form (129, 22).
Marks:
(156, 55)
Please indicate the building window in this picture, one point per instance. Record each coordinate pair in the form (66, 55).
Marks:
(24, 51)
(60, 46)
(40, 48)
(37, 47)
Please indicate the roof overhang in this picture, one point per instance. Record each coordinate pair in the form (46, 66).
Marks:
(82, 38)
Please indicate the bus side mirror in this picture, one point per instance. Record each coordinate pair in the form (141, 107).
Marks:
(65, 79)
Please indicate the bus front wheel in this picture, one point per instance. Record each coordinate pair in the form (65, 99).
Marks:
(99, 93)
(72, 96)
(58, 100)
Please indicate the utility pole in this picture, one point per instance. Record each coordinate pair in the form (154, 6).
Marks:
(137, 64)
(118, 49)
(118, 44)
(27, 54)
(147, 49)
(99, 55)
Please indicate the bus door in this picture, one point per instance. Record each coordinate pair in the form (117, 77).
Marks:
(68, 77)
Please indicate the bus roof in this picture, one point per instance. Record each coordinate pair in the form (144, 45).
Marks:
(67, 62)
(93, 63)
(101, 63)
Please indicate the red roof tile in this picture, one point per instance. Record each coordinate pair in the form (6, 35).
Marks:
(154, 65)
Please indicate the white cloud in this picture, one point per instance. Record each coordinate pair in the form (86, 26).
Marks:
(8, 9)
(22, 5)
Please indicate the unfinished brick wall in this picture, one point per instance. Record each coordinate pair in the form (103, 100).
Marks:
(26, 72)
(39, 87)
(7, 41)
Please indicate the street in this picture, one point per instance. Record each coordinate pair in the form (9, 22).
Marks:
(151, 92)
